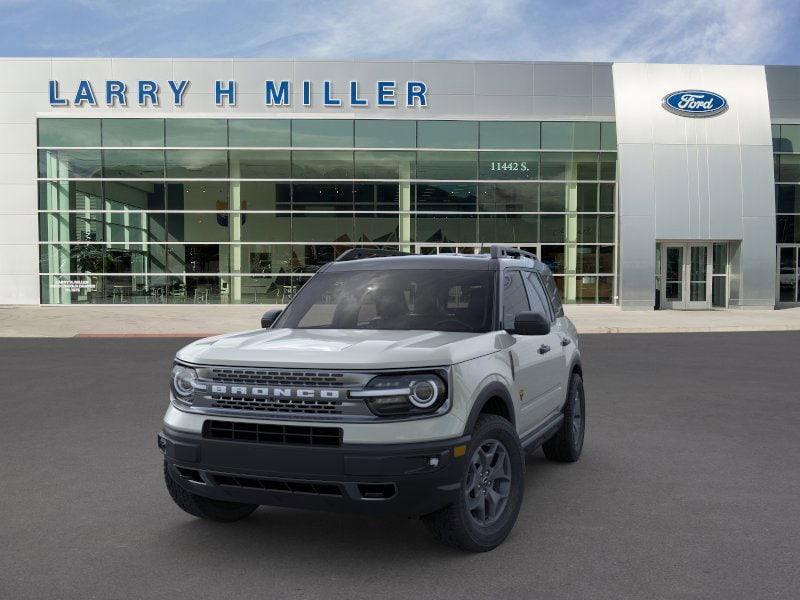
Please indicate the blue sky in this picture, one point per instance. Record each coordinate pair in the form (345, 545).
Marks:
(712, 31)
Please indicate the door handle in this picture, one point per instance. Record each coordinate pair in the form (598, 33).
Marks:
(565, 341)
(544, 349)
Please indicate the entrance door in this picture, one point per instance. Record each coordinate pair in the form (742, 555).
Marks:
(686, 276)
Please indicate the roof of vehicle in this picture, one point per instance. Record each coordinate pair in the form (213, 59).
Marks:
(477, 262)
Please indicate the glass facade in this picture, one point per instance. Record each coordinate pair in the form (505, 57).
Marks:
(786, 148)
(245, 210)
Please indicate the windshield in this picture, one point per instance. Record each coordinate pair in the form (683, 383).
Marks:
(436, 300)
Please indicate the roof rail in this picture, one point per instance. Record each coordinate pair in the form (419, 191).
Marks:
(359, 253)
(508, 252)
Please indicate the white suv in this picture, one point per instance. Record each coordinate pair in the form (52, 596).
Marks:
(391, 383)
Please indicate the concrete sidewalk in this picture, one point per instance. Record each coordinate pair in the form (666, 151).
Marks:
(199, 321)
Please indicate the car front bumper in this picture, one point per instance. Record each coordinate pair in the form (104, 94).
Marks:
(403, 479)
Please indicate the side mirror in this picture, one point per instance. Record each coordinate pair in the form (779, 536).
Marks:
(269, 317)
(531, 323)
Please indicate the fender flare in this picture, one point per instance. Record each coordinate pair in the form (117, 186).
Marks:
(494, 389)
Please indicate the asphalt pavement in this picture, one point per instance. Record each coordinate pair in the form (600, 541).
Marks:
(689, 487)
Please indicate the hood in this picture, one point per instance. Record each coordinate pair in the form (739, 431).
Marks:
(339, 348)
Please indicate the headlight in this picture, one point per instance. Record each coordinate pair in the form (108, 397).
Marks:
(404, 395)
(184, 380)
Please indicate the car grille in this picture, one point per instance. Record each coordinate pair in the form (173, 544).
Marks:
(278, 405)
(273, 434)
(280, 485)
(269, 377)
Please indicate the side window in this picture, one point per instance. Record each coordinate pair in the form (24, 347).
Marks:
(552, 291)
(515, 299)
(537, 295)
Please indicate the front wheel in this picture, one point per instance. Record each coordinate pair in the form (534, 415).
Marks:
(490, 494)
(205, 508)
(567, 443)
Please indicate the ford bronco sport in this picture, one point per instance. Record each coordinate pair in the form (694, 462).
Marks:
(390, 384)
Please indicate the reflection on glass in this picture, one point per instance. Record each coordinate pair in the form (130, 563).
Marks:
(509, 165)
(197, 164)
(446, 228)
(512, 229)
(508, 197)
(63, 164)
(509, 134)
(322, 164)
(382, 133)
(447, 165)
(259, 133)
(132, 164)
(198, 133)
(322, 133)
(385, 165)
(133, 132)
(65, 133)
(260, 164)
(447, 134)
(446, 196)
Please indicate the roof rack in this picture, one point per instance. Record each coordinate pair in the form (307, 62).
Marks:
(359, 253)
(508, 252)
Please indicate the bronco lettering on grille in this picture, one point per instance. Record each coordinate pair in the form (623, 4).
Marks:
(274, 392)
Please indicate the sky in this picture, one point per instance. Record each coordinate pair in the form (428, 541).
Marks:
(680, 31)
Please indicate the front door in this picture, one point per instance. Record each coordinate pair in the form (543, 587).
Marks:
(686, 275)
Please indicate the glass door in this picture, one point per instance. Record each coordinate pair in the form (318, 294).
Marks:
(686, 272)
(672, 264)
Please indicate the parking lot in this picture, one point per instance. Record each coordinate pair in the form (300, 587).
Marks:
(689, 487)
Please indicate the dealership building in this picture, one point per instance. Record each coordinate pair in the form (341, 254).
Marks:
(166, 181)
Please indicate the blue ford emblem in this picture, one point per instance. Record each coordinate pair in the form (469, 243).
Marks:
(695, 103)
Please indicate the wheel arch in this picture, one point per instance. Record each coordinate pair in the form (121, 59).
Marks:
(493, 399)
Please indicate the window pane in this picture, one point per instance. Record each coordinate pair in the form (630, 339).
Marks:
(197, 163)
(322, 196)
(62, 164)
(608, 166)
(787, 198)
(720, 263)
(444, 228)
(134, 195)
(552, 228)
(787, 228)
(77, 227)
(585, 166)
(447, 165)
(382, 196)
(789, 170)
(133, 132)
(447, 134)
(266, 227)
(69, 132)
(260, 164)
(553, 197)
(557, 135)
(587, 197)
(509, 134)
(556, 165)
(198, 227)
(316, 227)
(587, 229)
(264, 195)
(515, 298)
(509, 165)
(322, 133)
(446, 196)
(198, 195)
(605, 228)
(197, 132)
(379, 133)
(553, 257)
(510, 229)
(249, 133)
(605, 259)
(608, 136)
(377, 227)
(586, 259)
(606, 197)
(508, 197)
(585, 289)
(385, 165)
(322, 164)
(605, 290)
(198, 258)
(790, 138)
(70, 195)
(132, 164)
(587, 136)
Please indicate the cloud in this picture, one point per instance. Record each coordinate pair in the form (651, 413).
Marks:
(711, 31)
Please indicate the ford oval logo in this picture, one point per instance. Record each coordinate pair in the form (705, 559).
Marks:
(695, 103)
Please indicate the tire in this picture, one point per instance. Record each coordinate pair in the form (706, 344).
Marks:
(459, 525)
(206, 508)
(567, 443)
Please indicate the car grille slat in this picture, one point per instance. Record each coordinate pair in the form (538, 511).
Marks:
(265, 433)
(281, 405)
(270, 377)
